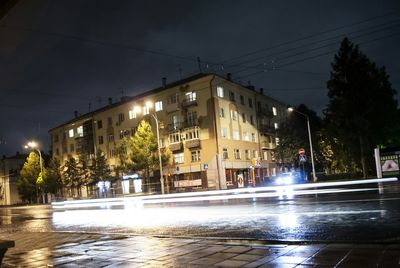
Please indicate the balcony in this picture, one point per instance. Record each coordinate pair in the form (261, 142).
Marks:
(175, 126)
(265, 112)
(189, 102)
(266, 145)
(265, 128)
(192, 143)
(175, 146)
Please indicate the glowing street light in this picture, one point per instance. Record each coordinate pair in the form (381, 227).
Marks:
(34, 145)
(138, 110)
(291, 109)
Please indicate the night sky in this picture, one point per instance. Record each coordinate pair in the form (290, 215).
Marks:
(60, 56)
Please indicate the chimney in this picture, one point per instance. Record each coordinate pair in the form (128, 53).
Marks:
(109, 101)
(261, 91)
(229, 76)
(76, 113)
(164, 81)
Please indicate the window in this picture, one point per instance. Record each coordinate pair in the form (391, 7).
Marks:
(234, 115)
(175, 137)
(222, 112)
(220, 92)
(56, 138)
(101, 141)
(250, 103)
(79, 131)
(236, 153)
(265, 155)
(225, 153)
(99, 124)
(121, 134)
(251, 120)
(192, 133)
(121, 117)
(133, 131)
(192, 118)
(253, 137)
(224, 133)
(57, 151)
(276, 125)
(195, 156)
(109, 121)
(277, 141)
(231, 96)
(110, 138)
(243, 118)
(173, 98)
(65, 149)
(146, 110)
(235, 134)
(247, 154)
(190, 96)
(71, 148)
(241, 100)
(71, 133)
(178, 158)
(255, 153)
(132, 114)
(158, 106)
(111, 153)
(274, 111)
(246, 136)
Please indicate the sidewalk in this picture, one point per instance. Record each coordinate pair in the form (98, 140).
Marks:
(100, 250)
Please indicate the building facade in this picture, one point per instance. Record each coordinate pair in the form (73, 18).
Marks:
(220, 134)
(9, 172)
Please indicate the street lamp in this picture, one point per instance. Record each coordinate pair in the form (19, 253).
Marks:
(148, 106)
(291, 109)
(34, 145)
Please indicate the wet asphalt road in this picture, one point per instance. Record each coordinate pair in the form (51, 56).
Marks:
(363, 216)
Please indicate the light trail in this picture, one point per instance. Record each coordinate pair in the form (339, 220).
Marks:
(243, 193)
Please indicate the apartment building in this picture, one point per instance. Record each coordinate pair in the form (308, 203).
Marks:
(9, 172)
(220, 134)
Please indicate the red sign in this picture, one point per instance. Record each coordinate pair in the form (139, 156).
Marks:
(301, 151)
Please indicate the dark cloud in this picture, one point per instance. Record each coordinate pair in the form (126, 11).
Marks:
(60, 56)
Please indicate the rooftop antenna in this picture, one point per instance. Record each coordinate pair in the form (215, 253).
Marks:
(180, 71)
(199, 63)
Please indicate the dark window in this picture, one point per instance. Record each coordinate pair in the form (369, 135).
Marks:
(109, 120)
(99, 124)
(110, 138)
(251, 120)
(250, 103)
(121, 117)
(56, 138)
(241, 100)
(101, 141)
(231, 96)
(244, 118)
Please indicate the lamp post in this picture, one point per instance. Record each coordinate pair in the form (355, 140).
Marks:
(34, 145)
(291, 109)
(148, 105)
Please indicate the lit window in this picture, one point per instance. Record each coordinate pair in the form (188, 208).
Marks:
(276, 125)
(234, 115)
(235, 135)
(132, 114)
(220, 92)
(146, 110)
(71, 133)
(195, 155)
(224, 133)
(237, 153)
(190, 96)
(79, 131)
(253, 137)
(178, 158)
(265, 155)
(277, 141)
(192, 133)
(225, 153)
(246, 136)
(158, 106)
(175, 137)
(274, 111)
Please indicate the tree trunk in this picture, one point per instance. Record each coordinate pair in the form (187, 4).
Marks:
(364, 169)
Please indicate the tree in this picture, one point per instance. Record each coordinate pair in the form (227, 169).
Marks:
(52, 180)
(293, 135)
(27, 180)
(362, 111)
(71, 176)
(99, 170)
(144, 148)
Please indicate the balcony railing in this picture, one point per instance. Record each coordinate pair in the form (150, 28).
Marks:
(188, 102)
(175, 146)
(192, 143)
